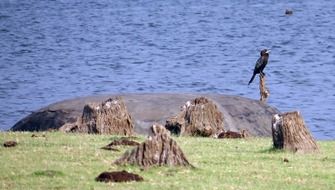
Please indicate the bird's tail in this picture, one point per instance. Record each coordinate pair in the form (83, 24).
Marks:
(252, 78)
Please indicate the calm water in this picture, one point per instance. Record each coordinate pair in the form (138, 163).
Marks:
(55, 50)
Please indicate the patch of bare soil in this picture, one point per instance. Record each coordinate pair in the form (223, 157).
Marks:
(232, 134)
(35, 136)
(118, 176)
(124, 141)
(9, 144)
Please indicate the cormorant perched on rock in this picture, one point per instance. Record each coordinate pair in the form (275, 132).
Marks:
(260, 64)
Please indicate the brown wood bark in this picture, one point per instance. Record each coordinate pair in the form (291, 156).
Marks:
(108, 117)
(199, 117)
(264, 91)
(289, 132)
(159, 149)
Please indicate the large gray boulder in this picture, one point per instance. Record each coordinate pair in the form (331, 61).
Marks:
(146, 109)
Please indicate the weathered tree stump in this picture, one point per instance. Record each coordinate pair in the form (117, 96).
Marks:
(200, 117)
(109, 117)
(264, 91)
(290, 133)
(159, 149)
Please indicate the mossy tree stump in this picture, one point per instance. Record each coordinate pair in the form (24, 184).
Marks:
(289, 132)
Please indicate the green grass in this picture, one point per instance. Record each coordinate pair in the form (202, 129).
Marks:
(72, 161)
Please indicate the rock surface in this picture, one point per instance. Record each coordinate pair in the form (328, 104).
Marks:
(146, 109)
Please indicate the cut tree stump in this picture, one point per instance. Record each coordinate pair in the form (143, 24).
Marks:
(264, 91)
(199, 117)
(289, 132)
(158, 150)
(108, 117)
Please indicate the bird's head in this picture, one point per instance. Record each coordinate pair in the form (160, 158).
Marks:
(265, 52)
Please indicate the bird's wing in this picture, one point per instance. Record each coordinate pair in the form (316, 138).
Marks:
(258, 63)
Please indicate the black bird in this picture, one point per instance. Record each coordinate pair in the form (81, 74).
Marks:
(260, 64)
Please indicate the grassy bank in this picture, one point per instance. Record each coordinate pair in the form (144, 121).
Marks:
(72, 161)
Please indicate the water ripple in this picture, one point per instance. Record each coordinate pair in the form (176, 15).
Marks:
(54, 50)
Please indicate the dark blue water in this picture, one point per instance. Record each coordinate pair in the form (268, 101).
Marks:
(55, 50)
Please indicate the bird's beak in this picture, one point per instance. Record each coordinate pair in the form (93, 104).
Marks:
(268, 51)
